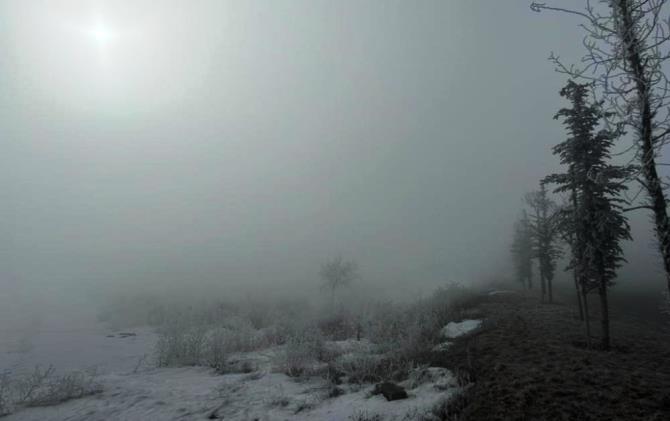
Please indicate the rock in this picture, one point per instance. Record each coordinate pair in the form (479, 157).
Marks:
(390, 391)
(126, 334)
(442, 347)
(335, 392)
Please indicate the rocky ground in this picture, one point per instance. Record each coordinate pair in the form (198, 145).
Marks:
(529, 362)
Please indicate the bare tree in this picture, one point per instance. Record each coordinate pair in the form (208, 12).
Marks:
(627, 46)
(336, 274)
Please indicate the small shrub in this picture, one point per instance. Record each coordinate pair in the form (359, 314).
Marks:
(338, 327)
(361, 369)
(217, 351)
(302, 353)
(180, 345)
(448, 409)
(42, 387)
(239, 335)
(366, 368)
(5, 394)
(61, 388)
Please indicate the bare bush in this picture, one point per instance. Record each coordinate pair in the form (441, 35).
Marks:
(61, 388)
(5, 394)
(339, 326)
(180, 345)
(190, 343)
(217, 352)
(239, 335)
(366, 368)
(43, 387)
(303, 352)
(406, 333)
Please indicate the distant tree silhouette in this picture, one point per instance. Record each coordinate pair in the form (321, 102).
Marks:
(336, 274)
(544, 233)
(522, 250)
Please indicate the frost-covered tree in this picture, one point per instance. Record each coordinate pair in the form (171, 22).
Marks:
(595, 221)
(627, 46)
(522, 250)
(544, 230)
(336, 274)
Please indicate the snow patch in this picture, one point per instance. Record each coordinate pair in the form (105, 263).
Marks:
(456, 329)
(501, 292)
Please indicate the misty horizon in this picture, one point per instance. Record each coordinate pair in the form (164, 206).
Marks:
(252, 143)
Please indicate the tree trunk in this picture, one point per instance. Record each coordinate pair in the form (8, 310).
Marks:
(652, 183)
(579, 297)
(543, 286)
(575, 241)
(587, 319)
(550, 291)
(604, 317)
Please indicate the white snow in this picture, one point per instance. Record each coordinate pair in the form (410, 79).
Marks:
(501, 292)
(456, 329)
(194, 393)
(161, 394)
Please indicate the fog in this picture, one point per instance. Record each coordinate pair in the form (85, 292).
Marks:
(239, 144)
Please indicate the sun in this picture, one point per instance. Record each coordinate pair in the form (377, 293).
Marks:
(102, 34)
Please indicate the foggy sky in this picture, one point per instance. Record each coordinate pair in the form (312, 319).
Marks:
(245, 142)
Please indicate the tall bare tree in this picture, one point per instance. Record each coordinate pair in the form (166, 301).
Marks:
(627, 46)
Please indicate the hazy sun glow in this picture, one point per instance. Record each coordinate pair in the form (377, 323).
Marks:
(102, 34)
(122, 55)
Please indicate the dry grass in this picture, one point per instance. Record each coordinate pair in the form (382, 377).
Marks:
(528, 364)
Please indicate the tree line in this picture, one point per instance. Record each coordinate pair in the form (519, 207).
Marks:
(620, 88)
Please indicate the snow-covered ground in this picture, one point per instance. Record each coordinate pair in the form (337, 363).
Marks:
(146, 393)
(195, 393)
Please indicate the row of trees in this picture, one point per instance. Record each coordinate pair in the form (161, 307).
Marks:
(627, 45)
(591, 221)
(535, 238)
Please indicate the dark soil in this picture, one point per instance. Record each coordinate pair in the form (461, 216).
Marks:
(530, 362)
